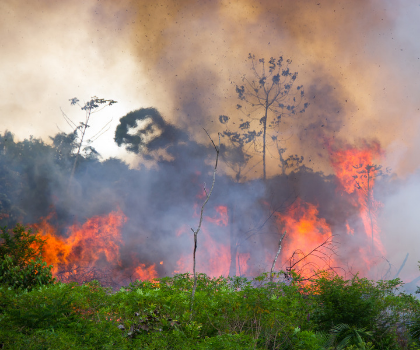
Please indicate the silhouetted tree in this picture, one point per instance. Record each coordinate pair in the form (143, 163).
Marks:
(268, 97)
(144, 131)
(93, 106)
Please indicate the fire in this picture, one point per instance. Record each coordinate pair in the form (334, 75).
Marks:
(222, 219)
(145, 273)
(92, 245)
(242, 267)
(305, 231)
(350, 165)
(97, 238)
(356, 173)
(213, 256)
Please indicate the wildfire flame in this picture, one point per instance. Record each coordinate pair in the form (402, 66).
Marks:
(214, 255)
(96, 243)
(356, 173)
(306, 233)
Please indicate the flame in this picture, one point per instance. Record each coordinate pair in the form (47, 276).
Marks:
(92, 245)
(356, 173)
(305, 231)
(349, 229)
(142, 272)
(213, 256)
(242, 267)
(220, 220)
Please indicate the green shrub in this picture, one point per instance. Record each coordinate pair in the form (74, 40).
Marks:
(228, 342)
(356, 302)
(228, 313)
(42, 308)
(345, 335)
(307, 340)
(361, 346)
(21, 264)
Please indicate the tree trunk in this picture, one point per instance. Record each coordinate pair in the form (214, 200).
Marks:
(264, 141)
(233, 240)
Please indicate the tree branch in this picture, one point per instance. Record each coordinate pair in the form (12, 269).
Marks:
(277, 255)
(217, 148)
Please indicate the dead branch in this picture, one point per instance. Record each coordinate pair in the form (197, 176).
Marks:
(389, 269)
(208, 194)
(277, 255)
(257, 229)
(401, 267)
(319, 252)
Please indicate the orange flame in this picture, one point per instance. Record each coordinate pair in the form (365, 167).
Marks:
(304, 233)
(145, 273)
(98, 240)
(356, 174)
(222, 219)
(213, 257)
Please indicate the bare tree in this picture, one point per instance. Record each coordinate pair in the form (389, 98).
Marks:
(93, 106)
(268, 97)
(208, 194)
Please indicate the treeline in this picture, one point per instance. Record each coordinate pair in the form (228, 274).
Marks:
(35, 181)
(34, 177)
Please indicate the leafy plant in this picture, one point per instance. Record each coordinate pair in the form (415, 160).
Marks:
(46, 313)
(229, 313)
(345, 335)
(308, 340)
(21, 264)
(356, 302)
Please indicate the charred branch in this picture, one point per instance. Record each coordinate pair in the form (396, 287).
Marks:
(208, 194)
(277, 255)
(323, 252)
(401, 267)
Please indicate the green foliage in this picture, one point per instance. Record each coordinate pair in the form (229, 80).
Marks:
(345, 335)
(36, 310)
(308, 340)
(376, 307)
(228, 342)
(229, 313)
(356, 302)
(414, 330)
(21, 264)
(50, 314)
(361, 346)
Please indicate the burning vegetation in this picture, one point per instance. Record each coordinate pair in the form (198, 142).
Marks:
(109, 222)
(117, 224)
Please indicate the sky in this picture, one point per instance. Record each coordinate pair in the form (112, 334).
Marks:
(359, 63)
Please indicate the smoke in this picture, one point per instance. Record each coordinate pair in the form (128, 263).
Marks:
(184, 58)
(358, 62)
(400, 224)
